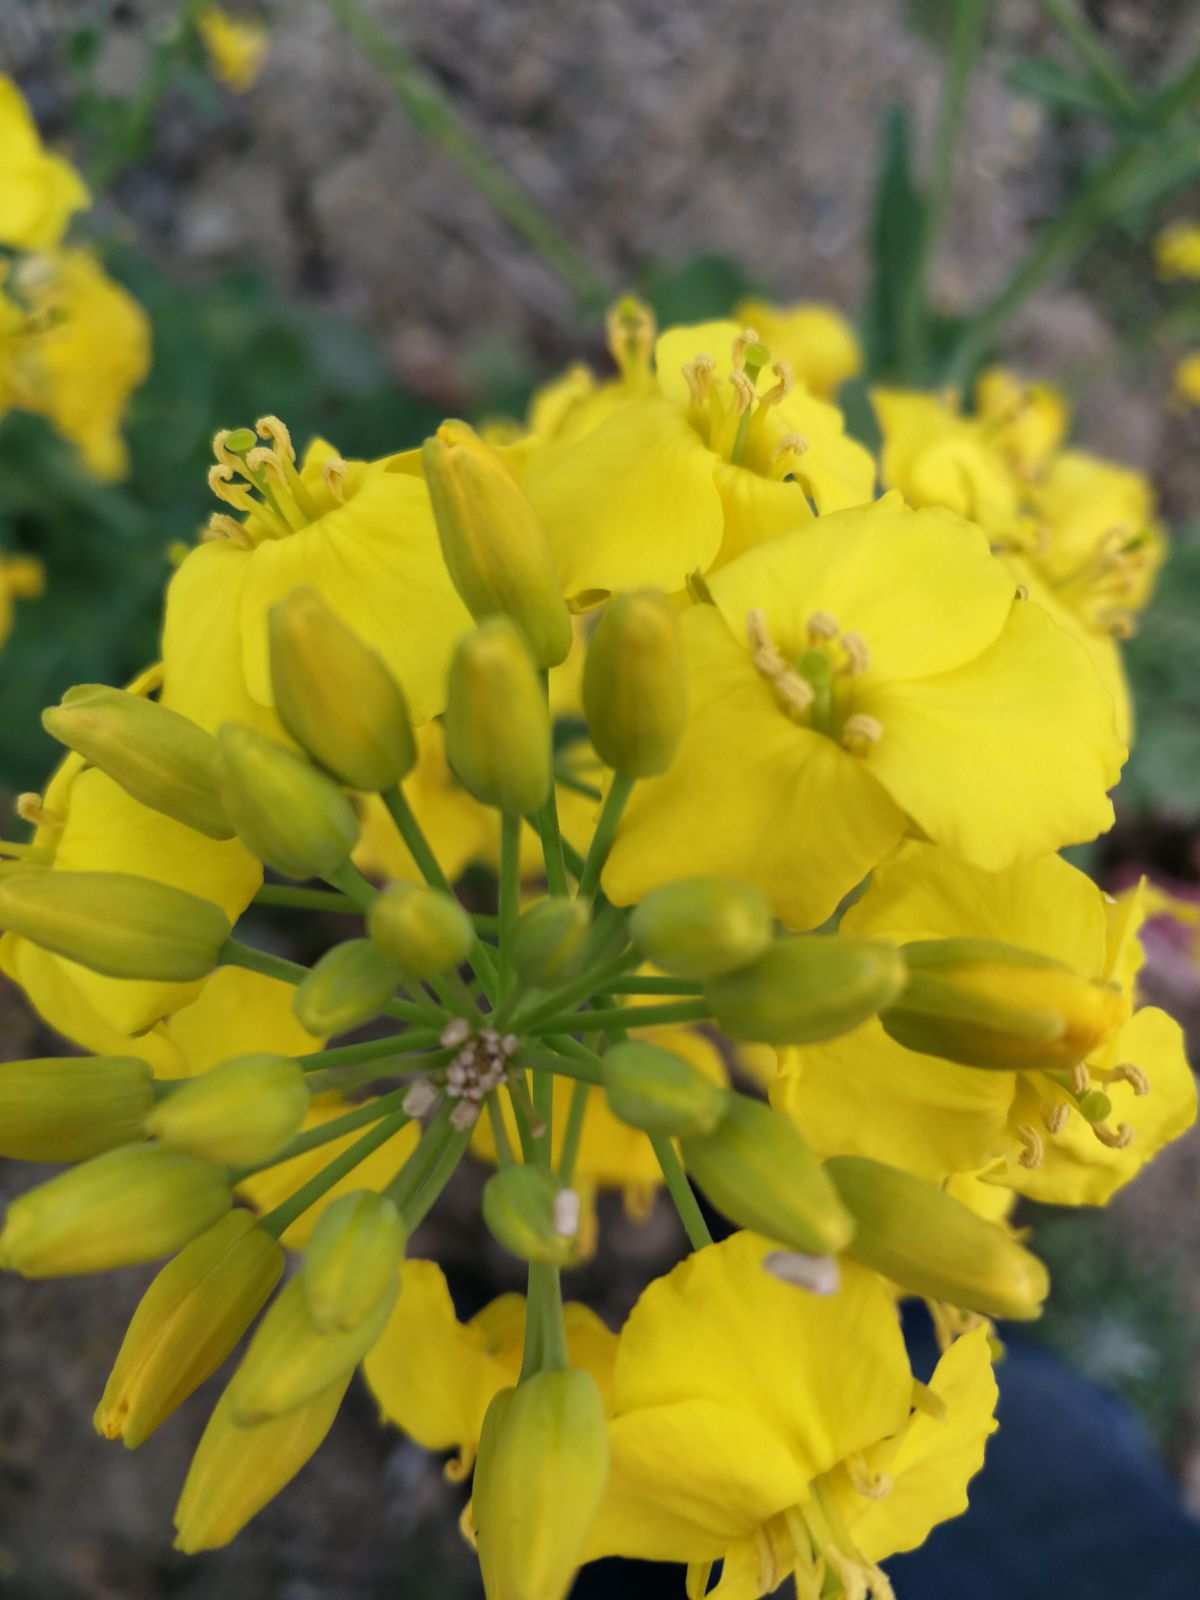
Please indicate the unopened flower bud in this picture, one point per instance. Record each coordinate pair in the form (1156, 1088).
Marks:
(811, 987)
(336, 696)
(423, 930)
(288, 814)
(987, 1004)
(67, 1108)
(920, 1237)
(186, 1323)
(703, 927)
(635, 684)
(519, 1206)
(497, 724)
(351, 983)
(755, 1167)
(539, 1480)
(240, 1112)
(550, 941)
(659, 1092)
(290, 1360)
(494, 548)
(115, 923)
(128, 1205)
(352, 1260)
(160, 758)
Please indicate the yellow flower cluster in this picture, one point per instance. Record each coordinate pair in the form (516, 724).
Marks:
(771, 762)
(73, 344)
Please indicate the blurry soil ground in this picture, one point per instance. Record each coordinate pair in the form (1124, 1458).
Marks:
(649, 130)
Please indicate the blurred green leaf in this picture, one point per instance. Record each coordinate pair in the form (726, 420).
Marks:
(1163, 660)
(704, 286)
(1057, 87)
(897, 232)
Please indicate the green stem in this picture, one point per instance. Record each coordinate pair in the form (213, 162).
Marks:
(354, 886)
(278, 894)
(680, 1191)
(606, 831)
(510, 896)
(622, 1018)
(432, 113)
(1095, 55)
(504, 1149)
(581, 1093)
(233, 953)
(370, 1049)
(545, 1293)
(327, 1132)
(342, 1079)
(414, 1211)
(278, 1221)
(546, 823)
(1177, 95)
(653, 986)
(587, 1068)
(423, 1159)
(580, 988)
(526, 1116)
(413, 1011)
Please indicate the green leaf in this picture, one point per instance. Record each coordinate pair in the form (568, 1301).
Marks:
(897, 238)
(1055, 86)
(702, 287)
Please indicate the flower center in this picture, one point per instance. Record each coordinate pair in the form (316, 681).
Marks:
(1076, 1091)
(261, 481)
(815, 688)
(1104, 587)
(735, 419)
(480, 1065)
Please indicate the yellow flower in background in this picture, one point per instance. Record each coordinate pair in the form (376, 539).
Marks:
(936, 456)
(778, 1431)
(21, 578)
(360, 533)
(434, 1376)
(1177, 251)
(39, 192)
(1186, 381)
(235, 47)
(1026, 421)
(83, 349)
(817, 341)
(864, 1094)
(870, 676)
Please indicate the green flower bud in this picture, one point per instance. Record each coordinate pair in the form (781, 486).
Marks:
(659, 1092)
(423, 930)
(539, 1480)
(811, 987)
(703, 927)
(114, 923)
(550, 941)
(186, 1323)
(523, 1207)
(291, 1360)
(923, 1239)
(126, 1206)
(987, 1004)
(238, 1113)
(286, 813)
(494, 548)
(160, 758)
(352, 1260)
(336, 697)
(70, 1108)
(349, 984)
(755, 1167)
(635, 684)
(497, 725)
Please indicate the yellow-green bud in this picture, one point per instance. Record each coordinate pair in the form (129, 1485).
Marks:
(635, 684)
(497, 724)
(987, 1004)
(523, 1208)
(70, 1108)
(423, 930)
(238, 1113)
(755, 1167)
(186, 1323)
(290, 1359)
(336, 696)
(160, 758)
(114, 923)
(128, 1205)
(659, 1092)
(703, 927)
(286, 813)
(494, 548)
(811, 987)
(914, 1233)
(539, 1480)
(550, 941)
(352, 1260)
(351, 983)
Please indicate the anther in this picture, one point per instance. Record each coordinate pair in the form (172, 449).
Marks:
(817, 1274)
(567, 1211)
(1133, 1075)
(1033, 1147)
(276, 431)
(782, 371)
(822, 627)
(743, 393)
(741, 344)
(871, 1485)
(697, 374)
(457, 1031)
(792, 444)
(861, 733)
(221, 526)
(420, 1099)
(334, 473)
(221, 482)
(1057, 1117)
(1118, 1138)
(1081, 1078)
(794, 693)
(30, 808)
(858, 654)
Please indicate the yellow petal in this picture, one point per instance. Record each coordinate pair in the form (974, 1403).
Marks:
(38, 191)
(237, 1013)
(816, 340)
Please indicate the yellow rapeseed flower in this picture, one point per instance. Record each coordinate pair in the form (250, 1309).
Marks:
(236, 48)
(1186, 380)
(39, 192)
(817, 340)
(1177, 250)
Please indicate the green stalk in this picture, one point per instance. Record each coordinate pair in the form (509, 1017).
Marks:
(525, 1115)
(504, 1149)
(413, 1011)
(369, 1050)
(680, 1191)
(621, 1018)
(432, 113)
(653, 986)
(588, 1069)
(233, 953)
(278, 1221)
(1178, 95)
(510, 896)
(580, 988)
(414, 1211)
(424, 1158)
(353, 885)
(327, 1132)
(606, 831)
(278, 894)
(581, 1093)
(1102, 66)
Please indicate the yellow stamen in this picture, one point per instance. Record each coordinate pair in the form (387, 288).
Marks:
(822, 627)
(861, 733)
(1118, 1138)
(1033, 1147)
(30, 808)
(871, 1485)
(1057, 1117)
(1081, 1078)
